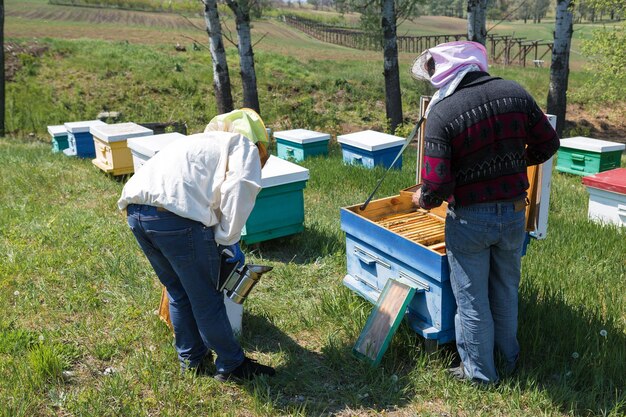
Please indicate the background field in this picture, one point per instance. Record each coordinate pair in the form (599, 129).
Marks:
(78, 333)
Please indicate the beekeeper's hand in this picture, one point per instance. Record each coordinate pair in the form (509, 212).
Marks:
(416, 197)
(235, 254)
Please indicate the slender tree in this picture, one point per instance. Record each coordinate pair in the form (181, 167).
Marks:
(477, 21)
(241, 9)
(383, 31)
(393, 95)
(221, 79)
(559, 68)
(2, 90)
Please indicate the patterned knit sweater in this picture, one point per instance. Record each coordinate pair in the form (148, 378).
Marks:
(479, 141)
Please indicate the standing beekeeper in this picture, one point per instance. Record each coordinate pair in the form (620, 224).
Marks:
(482, 133)
(184, 206)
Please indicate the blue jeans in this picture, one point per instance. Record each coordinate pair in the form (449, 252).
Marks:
(185, 257)
(484, 246)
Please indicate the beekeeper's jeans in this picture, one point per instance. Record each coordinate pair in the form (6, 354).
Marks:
(184, 256)
(484, 246)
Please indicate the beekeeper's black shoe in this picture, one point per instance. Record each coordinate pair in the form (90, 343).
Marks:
(458, 372)
(248, 369)
(205, 367)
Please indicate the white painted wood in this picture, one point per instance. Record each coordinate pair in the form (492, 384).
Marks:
(593, 145)
(57, 130)
(148, 146)
(119, 131)
(606, 206)
(543, 197)
(370, 140)
(278, 171)
(82, 127)
(301, 136)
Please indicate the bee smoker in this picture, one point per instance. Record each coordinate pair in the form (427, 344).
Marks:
(238, 282)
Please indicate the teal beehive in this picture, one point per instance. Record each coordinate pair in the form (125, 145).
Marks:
(586, 156)
(279, 207)
(298, 144)
(58, 134)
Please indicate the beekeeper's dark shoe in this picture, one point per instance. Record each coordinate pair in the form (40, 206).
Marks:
(205, 367)
(248, 369)
(458, 372)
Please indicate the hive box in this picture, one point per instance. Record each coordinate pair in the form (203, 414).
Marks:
(607, 196)
(298, 144)
(112, 154)
(58, 134)
(377, 252)
(279, 207)
(586, 156)
(79, 138)
(370, 148)
(144, 148)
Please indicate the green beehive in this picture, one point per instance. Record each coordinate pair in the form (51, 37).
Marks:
(298, 144)
(279, 207)
(58, 134)
(586, 156)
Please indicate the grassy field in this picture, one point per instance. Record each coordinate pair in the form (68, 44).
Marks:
(78, 330)
(79, 335)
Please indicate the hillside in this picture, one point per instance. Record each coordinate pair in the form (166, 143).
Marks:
(33, 21)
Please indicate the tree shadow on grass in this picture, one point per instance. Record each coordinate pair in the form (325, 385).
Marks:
(315, 383)
(574, 355)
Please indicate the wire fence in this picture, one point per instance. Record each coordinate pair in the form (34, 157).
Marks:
(503, 49)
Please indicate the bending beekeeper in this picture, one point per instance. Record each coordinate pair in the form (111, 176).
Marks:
(184, 206)
(482, 133)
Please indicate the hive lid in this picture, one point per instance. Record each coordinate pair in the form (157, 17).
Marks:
(119, 131)
(57, 130)
(277, 171)
(82, 127)
(594, 145)
(301, 136)
(150, 145)
(370, 140)
(613, 180)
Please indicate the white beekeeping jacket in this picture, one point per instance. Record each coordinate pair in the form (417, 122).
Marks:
(212, 178)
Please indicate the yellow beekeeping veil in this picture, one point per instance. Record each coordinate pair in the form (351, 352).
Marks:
(243, 121)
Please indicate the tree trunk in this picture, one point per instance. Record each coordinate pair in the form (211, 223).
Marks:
(559, 68)
(241, 9)
(2, 90)
(477, 21)
(221, 79)
(393, 95)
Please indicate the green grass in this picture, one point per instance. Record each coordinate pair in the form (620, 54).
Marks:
(79, 335)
